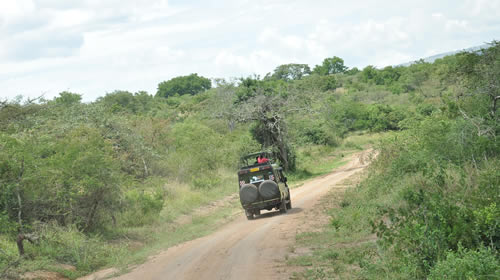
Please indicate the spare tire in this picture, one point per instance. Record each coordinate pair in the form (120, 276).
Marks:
(269, 189)
(248, 193)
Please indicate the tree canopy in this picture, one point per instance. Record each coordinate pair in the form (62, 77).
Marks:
(68, 98)
(292, 71)
(191, 84)
(331, 65)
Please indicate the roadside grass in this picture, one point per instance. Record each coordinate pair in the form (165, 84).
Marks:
(168, 234)
(188, 213)
(345, 247)
(317, 160)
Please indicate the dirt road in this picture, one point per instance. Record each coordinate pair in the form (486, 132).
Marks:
(245, 249)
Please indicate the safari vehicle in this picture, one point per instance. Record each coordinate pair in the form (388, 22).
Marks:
(262, 186)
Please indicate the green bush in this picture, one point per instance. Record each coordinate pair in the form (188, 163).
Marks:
(449, 196)
(142, 207)
(318, 134)
(467, 264)
(206, 181)
(7, 227)
(68, 245)
(8, 251)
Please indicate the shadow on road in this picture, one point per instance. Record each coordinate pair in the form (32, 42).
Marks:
(269, 214)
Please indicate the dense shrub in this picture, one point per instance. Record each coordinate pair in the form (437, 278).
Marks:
(68, 245)
(182, 85)
(465, 264)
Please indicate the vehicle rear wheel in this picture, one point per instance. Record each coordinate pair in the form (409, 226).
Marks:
(283, 207)
(289, 203)
(249, 215)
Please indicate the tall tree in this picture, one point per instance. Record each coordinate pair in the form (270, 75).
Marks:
(266, 106)
(331, 65)
(292, 71)
(68, 98)
(478, 76)
(191, 84)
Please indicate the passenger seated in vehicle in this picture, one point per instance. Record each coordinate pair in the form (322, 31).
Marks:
(262, 159)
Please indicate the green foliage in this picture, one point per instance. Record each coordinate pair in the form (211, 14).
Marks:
(142, 206)
(388, 75)
(353, 71)
(8, 252)
(382, 118)
(124, 101)
(426, 109)
(70, 246)
(317, 133)
(191, 84)
(467, 264)
(369, 73)
(487, 221)
(191, 138)
(415, 75)
(68, 98)
(479, 74)
(432, 195)
(347, 115)
(251, 87)
(431, 222)
(79, 169)
(7, 227)
(206, 181)
(317, 83)
(329, 82)
(331, 65)
(292, 71)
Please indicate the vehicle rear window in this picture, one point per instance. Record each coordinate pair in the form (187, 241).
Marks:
(256, 177)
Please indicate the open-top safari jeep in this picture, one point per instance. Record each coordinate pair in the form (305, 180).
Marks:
(262, 185)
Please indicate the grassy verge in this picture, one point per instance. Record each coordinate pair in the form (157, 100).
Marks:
(342, 246)
(313, 161)
(345, 247)
(170, 234)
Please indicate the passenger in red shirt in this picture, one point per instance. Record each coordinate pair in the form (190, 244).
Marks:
(262, 159)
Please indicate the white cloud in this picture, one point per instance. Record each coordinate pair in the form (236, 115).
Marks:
(95, 46)
(483, 8)
(15, 9)
(259, 62)
(456, 25)
(70, 18)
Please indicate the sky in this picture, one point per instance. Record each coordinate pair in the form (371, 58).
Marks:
(94, 47)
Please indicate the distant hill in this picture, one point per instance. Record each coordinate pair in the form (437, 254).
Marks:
(431, 59)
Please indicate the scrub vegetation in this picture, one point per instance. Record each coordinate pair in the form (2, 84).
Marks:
(91, 184)
(429, 205)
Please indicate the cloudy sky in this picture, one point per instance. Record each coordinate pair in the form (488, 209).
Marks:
(93, 47)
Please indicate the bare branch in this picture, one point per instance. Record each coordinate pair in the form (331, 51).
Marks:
(32, 100)
(477, 123)
(32, 238)
(18, 193)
